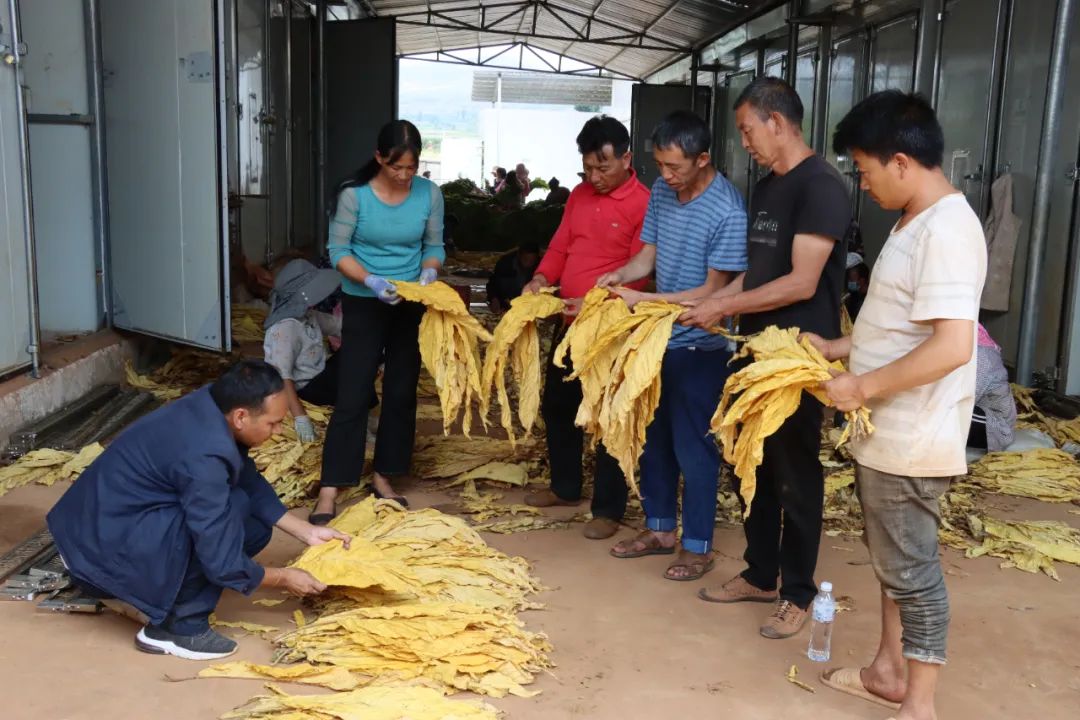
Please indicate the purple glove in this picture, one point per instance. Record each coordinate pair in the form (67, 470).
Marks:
(384, 289)
(428, 276)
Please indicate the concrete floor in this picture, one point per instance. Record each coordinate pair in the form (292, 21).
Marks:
(628, 644)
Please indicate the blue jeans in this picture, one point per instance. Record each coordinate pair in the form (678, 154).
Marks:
(902, 516)
(678, 441)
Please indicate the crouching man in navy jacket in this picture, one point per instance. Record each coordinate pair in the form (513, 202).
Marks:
(174, 510)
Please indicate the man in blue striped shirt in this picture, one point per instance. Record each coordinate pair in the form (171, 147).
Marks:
(695, 240)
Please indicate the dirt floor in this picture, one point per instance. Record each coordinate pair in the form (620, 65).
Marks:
(628, 644)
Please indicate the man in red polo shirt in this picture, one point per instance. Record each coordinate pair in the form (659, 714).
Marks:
(600, 232)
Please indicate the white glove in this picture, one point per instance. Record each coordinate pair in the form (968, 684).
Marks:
(428, 276)
(305, 429)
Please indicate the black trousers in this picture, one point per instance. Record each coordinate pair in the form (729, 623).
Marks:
(373, 331)
(323, 388)
(566, 441)
(783, 531)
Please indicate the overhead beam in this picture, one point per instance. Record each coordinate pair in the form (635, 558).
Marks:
(664, 14)
(520, 10)
(447, 56)
(461, 26)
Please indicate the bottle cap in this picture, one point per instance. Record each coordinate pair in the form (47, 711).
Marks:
(826, 586)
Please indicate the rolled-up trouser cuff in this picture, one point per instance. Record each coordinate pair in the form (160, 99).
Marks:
(661, 524)
(701, 547)
(923, 656)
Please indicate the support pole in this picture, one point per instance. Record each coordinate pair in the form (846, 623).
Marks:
(320, 134)
(792, 43)
(289, 229)
(695, 61)
(927, 47)
(98, 176)
(1040, 224)
(34, 346)
(266, 127)
(820, 125)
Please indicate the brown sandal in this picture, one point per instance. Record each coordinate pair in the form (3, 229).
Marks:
(697, 563)
(650, 542)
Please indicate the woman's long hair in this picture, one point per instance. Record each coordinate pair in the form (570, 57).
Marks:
(396, 138)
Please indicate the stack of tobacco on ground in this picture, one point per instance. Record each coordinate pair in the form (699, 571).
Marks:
(418, 599)
(1029, 545)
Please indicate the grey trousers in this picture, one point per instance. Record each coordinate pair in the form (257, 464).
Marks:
(902, 518)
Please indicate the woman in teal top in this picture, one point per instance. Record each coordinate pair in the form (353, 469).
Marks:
(387, 226)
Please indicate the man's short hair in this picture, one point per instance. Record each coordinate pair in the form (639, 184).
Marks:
(529, 247)
(891, 122)
(246, 385)
(768, 95)
(684, 130)
(601, 131)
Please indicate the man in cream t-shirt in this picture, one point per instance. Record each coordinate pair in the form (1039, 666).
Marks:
(912, 362)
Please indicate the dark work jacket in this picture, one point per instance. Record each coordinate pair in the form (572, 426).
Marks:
(158, 498)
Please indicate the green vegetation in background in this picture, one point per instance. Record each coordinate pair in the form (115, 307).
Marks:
(487, 223)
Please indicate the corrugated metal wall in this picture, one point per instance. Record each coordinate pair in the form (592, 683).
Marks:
(993, 68)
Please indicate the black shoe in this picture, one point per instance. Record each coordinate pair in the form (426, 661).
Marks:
(322, 518)
(399, 499)
(208, 645)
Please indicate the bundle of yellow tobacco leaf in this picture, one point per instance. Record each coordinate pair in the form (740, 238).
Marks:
(1044, 474)
(632, 389)
(517, 339)
(600, 310)
(449, 347)
(758, 399)
(46, 466)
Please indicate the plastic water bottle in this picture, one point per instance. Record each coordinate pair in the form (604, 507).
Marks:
(823, 612)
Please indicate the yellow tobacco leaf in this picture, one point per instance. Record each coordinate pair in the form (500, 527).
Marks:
(46, 466)
(326, 676)
(504, 472)
(362, 565)
(250, 627)
(267, 602)
(635, 344)
(1044, 474)
(1029, 546)
(599, 311)
(516, 340)
(369, 703)
(247, 323)
(793, 678)
(299, 619)
(449, 338)
(761, 396)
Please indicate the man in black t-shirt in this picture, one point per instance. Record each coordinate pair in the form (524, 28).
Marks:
(799, 213)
